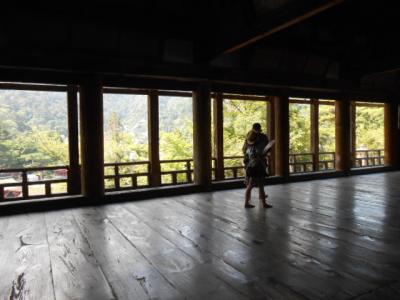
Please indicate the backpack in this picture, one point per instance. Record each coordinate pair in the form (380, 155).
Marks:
(254, 163)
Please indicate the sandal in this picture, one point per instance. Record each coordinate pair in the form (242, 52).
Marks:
(266, 205)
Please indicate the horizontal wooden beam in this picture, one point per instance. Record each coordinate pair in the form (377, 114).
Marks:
(133, 91)
(226, 80)
(245, 97)
(32, 87)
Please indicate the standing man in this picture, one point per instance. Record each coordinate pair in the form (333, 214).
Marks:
(255, 164)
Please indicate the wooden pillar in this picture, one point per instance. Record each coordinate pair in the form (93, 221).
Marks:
(202, 135)
(314, 115)
(392, 135)
(271, 132)
(92, 139)
(219, 136)
(343, 135)
(154, 135)
(74, 178)
(281, 105)
(353, 136)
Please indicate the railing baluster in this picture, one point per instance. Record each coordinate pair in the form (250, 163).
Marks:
(47, 188)
(315, 163)
(116, 178)
(334, 160)
(25, 193)
(234, 173)
(188, 172)
(174, 178)
(134, 181)
(1, 193)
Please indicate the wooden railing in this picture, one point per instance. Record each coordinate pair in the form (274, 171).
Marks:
(306, 162)
(233, 167)
(25, 183)
(30, 183)
(126, 175)
(368, 158)
(132, 175)
(182, 171)
(301, 162)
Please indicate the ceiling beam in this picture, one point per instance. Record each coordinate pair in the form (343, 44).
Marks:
(283, 25)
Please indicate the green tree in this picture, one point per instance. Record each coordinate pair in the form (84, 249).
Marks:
(120, 145)
(300, 128)
(369, 128)
(239, 115)
(326, 125)
(177, 144)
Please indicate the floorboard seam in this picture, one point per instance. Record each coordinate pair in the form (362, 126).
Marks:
(94, 256)
(195, 245)
(389, 284)
(141, 253)
(220, 258)
(50, 261)
(199, 210)
(345, 230)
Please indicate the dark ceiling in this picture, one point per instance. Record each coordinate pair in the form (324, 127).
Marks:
(261, 40)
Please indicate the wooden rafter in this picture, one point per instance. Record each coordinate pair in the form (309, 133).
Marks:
(283, 25)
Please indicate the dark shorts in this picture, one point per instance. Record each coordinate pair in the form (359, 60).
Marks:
(255, 181)
(256, 176)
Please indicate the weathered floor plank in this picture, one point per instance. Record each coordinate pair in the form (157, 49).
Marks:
(24, 258)
(76, 272)
(129, 273)
(230, 249)
(328, 239)
(175, 264)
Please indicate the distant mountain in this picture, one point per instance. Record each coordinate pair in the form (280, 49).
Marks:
(24, 110)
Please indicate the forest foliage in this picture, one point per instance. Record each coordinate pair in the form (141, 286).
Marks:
(34, 128)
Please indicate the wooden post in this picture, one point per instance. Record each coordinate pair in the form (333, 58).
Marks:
(392, 135)
(219, 136)
(314, 115)
(47, 188)
(154, 146)
(343, 136)
(92, 139)
(271, 132)
(74, 178)
(353, 136)
(117, 184)
(202, 135)
(25, 188)
(281, 105)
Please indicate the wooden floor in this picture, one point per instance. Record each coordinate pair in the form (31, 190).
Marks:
(327, 239)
